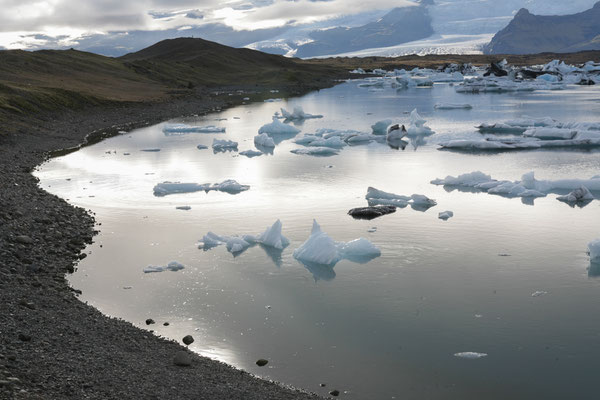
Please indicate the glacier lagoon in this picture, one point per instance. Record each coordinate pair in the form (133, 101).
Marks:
(504, 277)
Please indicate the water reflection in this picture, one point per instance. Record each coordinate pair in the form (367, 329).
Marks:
(319, 271)
(594, 269)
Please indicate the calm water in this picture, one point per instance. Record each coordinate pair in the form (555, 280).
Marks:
(381, 330)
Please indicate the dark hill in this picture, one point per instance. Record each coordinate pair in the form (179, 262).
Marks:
(528, 33)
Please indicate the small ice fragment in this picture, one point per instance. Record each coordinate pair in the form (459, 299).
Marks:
(264, 140)
(224, 144)
(316, 151)
(230, 186)
(297, 114)
(577, 195)
(246, 98)
(452, 106)
(186, 208)
(251, 153)
(445, 215)
(126, 154)
(127, 287)
(470, 355)
(478, 316)
(166, 188)
(373, 229)
(174, 266)
(278, 127)
(538, 293)
(236, 244)
(201, 147)
(150, 150)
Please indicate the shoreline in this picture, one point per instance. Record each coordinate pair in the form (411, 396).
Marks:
(51, 344)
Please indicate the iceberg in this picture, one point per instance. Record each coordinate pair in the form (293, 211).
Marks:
(264, 140)
(550, 133)
(321, 249)
(417, 126)
(278, 127)
(445, 215)
(470, 355)
(297, 114)
(172, 266)
(251, 153)
(376, 197)
(166, 188)
(271, 238)
(380, 127)
(316, 151)
(179, 129)
(578, 195)
(228, 186)
(594, 249)
(224, 144)
(452, 106)
(530, 182)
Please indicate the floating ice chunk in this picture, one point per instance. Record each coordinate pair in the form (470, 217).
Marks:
(533, 122)
(452, 106)
(360, 138)
(470, 355)
(151, 150)
(372, 82)
(272, 237)
(594, 249)
(577, 195)
(316, 151)
(501, 128)
(236, 244)
(278, 127)
(380, 127)
(201, 147)
(417, 125)
(358, 249)
(211, 240)
(224, 144)
(445, 215)
(530, 182)
(276, 100)
(251, 153)
(229, 186)
(373, 193)
(183, 129)
(377, 197)
(264, 140)
(471, 179)
(306, 139)
(321, 249)
(422, 200)
(538, 293)
(550, 133)
(172, 266)
(358, 71)
(334, 142)
(166, 188)
(185, 208)
(297, 114)
(548, 78)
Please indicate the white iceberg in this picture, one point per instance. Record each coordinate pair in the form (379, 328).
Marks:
(376, 197)
(172, 266)
(380, 127)
(578, 195)
(277, 127)
(297, 114)
(452, 106)
(417, 126)
(272, 237)
(170, 129)
(224, 144)
(321, 249)
(251, 153)
(264, 140)
(316, 151)
(550, 133)
(445, 215)
(470, 355)
(530, 182)
(166, 188)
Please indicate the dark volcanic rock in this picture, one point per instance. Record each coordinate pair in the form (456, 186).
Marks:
(182, 359)
(533, 34)
(188, 339)
(371, 212)
(262, 362)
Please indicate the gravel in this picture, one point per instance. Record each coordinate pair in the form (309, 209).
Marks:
(53, 346)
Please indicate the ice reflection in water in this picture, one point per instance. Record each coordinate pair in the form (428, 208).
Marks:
(386, 328)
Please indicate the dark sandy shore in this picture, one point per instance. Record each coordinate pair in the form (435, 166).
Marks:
(52, 346)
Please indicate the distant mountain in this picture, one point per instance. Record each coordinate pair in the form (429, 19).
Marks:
(528, 33)
(400, 25)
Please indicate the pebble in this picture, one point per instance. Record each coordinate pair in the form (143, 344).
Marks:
(24, 239)
(335, 393)
(182, 359)
(262, 362)
(166, 324)
(149, 321)
(188, 339)
(24, 338)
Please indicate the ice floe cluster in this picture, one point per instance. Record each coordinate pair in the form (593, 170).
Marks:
(528, 133)
(172, 266)
(235, 244)
(527, 187)
(297, 115)
(228, 186)
(376, 197)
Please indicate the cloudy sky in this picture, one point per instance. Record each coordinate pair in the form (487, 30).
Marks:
(31, 23)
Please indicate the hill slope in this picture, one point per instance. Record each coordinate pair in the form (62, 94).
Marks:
(528, 33)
